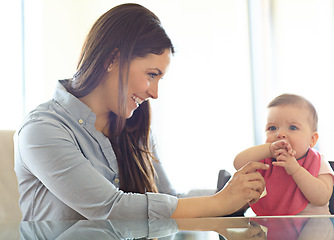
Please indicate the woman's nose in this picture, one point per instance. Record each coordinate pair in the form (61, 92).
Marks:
(153, 90)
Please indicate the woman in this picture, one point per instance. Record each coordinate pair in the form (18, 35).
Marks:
(88, 153)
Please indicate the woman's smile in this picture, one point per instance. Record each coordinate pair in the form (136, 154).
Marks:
(138, 100)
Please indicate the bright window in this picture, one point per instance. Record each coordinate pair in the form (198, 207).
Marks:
(297, 57)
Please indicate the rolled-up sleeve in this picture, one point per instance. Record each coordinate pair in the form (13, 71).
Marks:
(161, 205)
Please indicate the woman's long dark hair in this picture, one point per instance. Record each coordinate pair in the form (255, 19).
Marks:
(126, 31)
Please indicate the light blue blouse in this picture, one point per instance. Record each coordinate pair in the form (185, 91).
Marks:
(66, 169)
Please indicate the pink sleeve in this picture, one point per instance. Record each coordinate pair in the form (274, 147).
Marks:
(325, 168)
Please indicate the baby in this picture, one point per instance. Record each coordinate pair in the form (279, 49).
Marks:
(299, 180)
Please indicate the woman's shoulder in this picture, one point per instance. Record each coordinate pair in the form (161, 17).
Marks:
(46, 113)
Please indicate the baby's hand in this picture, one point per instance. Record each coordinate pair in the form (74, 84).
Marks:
(281, 145)
(285, 156)
(286, 160)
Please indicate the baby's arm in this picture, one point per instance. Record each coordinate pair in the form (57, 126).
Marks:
(252, 154)
(317, 191)
(260, 152)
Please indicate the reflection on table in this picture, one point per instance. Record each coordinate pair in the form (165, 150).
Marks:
(318, 228)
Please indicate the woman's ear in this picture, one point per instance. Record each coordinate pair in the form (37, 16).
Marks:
(314, 139)
(108, 65)
(112, 59)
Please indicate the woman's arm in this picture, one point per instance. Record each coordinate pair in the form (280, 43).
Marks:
(252, 154)
(49, 154)
(245, 186)
(47, 151)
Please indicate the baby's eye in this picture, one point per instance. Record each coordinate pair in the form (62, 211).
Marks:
(292, 127)
(271, 128)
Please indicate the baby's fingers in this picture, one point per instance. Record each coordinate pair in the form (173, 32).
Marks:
(280, 144)
(279, 164)
(290, 150)
(280, 152)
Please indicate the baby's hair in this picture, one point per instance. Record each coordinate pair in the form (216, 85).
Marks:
(292, 99)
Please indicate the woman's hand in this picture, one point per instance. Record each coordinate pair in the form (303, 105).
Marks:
(245, 186)
(229, 228)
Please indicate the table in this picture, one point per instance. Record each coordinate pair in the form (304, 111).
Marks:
(235, 228)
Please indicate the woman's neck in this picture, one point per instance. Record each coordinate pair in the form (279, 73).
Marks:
(102, 115)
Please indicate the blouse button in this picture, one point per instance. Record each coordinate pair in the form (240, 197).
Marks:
(116, 180)
(81, 121)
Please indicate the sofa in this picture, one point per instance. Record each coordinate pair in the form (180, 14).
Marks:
(9, 195)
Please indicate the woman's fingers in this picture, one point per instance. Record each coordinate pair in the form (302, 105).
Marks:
(250, 183)
(257, 189)
(253, 186)
(245, 186)
(252, 167)
(253, 180)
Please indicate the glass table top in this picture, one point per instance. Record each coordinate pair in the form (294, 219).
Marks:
(306, 227)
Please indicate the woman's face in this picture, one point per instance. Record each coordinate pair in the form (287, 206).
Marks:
(143, 80)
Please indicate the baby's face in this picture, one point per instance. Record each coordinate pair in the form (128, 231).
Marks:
(292, 123)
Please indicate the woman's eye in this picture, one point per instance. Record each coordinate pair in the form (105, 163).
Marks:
(292, 127)
(271, 128)
(153, 75)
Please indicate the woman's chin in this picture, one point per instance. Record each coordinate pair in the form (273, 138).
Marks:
(129, 114)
